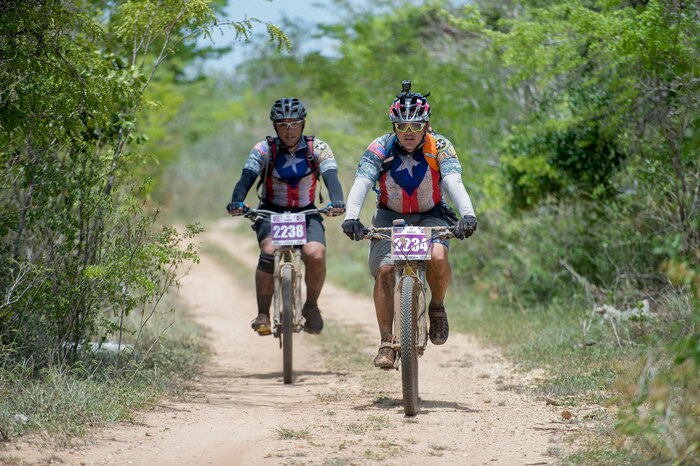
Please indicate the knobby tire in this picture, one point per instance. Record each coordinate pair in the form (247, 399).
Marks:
(409, 352)
(287, 322)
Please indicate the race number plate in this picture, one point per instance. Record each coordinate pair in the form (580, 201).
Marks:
(288, 229)
(411, 243)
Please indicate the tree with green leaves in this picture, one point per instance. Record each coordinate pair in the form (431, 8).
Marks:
(609, 147)
(576, 122)
(79, 248)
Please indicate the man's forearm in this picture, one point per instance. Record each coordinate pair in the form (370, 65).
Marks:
(356, 197)
(458, 193)
(240, 191)
(335, 190)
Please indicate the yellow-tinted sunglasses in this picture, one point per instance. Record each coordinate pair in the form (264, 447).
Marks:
(409, 126)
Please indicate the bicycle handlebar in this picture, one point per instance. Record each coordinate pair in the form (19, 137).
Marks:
(385, 232)
(255, 214)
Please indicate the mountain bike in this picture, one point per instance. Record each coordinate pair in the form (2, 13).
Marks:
(288, 231)
(411, 249)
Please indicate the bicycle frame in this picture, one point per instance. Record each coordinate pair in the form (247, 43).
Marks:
(410, 268)
(287, 257)
(410, 320)
(287, 273)
(417, 270)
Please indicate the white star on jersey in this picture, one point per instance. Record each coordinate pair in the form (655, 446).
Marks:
(407, 163)
(291, 161)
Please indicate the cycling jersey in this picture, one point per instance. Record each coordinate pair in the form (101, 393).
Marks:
(409, 183)
(290, 182)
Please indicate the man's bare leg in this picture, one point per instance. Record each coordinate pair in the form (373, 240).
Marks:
(264, 289)
(314, 256)
(438, 275)
(384, 306)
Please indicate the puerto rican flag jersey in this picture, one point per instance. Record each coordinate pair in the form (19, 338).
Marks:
(290, 183)
(411, 184)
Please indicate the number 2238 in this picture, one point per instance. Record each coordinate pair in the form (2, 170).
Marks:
(288, 231)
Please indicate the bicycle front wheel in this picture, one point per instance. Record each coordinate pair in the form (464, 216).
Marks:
(409, 352)
(287, 322)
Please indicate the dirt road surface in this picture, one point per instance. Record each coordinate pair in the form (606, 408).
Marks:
(476, 408)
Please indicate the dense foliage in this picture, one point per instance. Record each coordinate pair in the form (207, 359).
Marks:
(84, 256)
(577, 126)
(79, 247)
(576, 123)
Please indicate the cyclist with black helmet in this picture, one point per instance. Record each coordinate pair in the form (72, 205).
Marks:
(289, 167)
(409, 168)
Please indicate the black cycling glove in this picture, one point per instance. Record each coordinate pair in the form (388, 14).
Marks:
(335, 208)
(235, 208)
(466, 227)
(353, 228)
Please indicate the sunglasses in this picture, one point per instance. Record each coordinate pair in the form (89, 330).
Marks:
(291, 125)
(409, 126)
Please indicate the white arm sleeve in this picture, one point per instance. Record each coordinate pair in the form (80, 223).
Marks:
(458, 193)
(356, 197)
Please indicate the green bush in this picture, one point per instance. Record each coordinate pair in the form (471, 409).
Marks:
(660, 417)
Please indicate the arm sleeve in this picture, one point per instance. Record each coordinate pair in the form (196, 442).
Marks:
(240, 191)
(458, 193)
(356, 197)
(335, 190)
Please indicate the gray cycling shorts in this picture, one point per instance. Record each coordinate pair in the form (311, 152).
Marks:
(380, 250)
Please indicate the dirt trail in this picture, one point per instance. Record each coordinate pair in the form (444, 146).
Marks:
(474, 409)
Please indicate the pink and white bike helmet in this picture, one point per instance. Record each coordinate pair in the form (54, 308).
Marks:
(409, 106)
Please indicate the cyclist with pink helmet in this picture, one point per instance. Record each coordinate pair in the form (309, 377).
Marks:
(409, 169)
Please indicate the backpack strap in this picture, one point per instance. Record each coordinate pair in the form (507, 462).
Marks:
(430, 153)
(310, 158)
(388, 158)
(313, 165)
(272, 144)
(386, 163)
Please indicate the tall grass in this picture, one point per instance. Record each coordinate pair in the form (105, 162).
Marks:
(62, 403)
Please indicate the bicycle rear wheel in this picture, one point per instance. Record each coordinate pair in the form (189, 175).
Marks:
(287, 322)
(409, 352)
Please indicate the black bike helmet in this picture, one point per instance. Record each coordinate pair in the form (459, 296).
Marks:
(288, 107)
(409, 106)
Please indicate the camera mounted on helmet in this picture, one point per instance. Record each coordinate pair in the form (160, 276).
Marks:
(409, 106)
